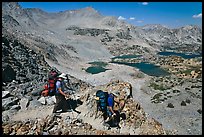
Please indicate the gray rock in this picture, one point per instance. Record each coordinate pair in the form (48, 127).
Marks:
(8, 102)
(45, 133)
(5, 118)
(127, 91)
(6, 115)
(183, 103)
(24, 103)
(15, 107)
(199, 111)
(188, 101)
(50, 100)
(170, 105)
(5, 94)
(55, 127)
(34, 104)
(13, 133)
(37, 90)
(42, 100)
(67, 120)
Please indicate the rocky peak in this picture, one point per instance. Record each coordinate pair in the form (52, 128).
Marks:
(190, 27)
(36, 10)
(154, 26)
(10, 8)
(90, 9)
(14, 10)
(84, 12)
(10, 5)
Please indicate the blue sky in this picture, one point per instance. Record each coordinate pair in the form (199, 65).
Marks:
(170, 14)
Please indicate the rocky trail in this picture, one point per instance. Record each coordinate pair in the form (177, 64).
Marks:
(37, 120)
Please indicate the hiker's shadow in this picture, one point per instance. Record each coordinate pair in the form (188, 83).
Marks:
(73, 104)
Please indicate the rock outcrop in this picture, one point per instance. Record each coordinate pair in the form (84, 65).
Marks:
(133, 121)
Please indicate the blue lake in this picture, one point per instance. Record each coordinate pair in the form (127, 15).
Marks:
(126, 56)
(183, 55)
(147, 68)
(97, 67)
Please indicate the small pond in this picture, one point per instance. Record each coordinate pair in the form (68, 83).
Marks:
(97, 67)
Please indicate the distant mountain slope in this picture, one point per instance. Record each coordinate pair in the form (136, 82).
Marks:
(78, 34)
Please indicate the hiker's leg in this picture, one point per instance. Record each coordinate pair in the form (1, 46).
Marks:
(65, 104)
(105, 116)
(57, 105)
(109, 113)
(117, 118)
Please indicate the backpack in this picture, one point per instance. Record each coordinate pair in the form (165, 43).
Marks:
(103, 100)
(50, 87)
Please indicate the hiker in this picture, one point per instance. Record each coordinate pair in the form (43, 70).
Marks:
(110, 105)
(114, 108)
(60, 96)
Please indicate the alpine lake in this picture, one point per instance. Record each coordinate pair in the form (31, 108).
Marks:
(183, 55)
(97, 67)
(146, 67)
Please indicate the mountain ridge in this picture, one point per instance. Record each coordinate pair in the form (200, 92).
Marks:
(39, 27)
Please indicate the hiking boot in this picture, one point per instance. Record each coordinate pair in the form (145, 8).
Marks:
(68, 110)
(58, 111)
(118, 126)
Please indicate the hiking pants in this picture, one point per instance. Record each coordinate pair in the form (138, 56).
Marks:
(117, 117)
(61, 103)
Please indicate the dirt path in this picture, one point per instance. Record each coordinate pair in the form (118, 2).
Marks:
(39, 112)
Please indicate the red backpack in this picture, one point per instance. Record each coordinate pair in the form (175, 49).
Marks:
(50, 88)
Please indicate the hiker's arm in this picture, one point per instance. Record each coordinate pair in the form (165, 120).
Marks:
(111, 109)
(61, 92)
(122, 104)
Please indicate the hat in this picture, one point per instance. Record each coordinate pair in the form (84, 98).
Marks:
(115, 94)
(62, 76)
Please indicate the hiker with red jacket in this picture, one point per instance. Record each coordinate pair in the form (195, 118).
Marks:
(61, 102)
